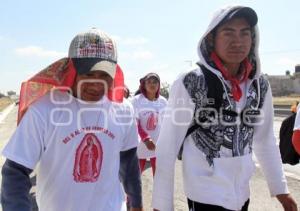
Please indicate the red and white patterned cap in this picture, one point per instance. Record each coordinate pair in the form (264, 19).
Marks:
(95, 44)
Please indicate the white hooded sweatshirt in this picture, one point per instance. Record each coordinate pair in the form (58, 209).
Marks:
(217, 169)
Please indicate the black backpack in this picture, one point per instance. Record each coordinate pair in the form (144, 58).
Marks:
(287, 151)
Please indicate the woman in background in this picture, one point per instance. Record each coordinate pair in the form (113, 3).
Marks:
(149, 108)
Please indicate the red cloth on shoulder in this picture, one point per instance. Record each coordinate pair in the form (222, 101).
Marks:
(296, 141)
(61, 75)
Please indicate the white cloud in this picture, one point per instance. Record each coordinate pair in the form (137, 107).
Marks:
(169, 72)
(287, 61)
(135, 41)
(38, 52)
(136, 55)
(116, 38)
(143, 55)
(131, 41)
(1, 38)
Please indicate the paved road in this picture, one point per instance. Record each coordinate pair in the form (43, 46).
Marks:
(260, 200)
(260, 197)
(282, 110)
(8, 124)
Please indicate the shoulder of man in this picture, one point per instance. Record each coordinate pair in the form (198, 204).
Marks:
(194, 82)
(263, 80)
(264, 86)
(123, 107)
(50, 100)
(163, 99)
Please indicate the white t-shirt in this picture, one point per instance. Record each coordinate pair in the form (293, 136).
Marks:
(77, 148)
(150, 115)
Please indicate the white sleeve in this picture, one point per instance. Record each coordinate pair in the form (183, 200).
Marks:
(297, 120)
(135, 106)
(26, 145)
(267, 151)
(162, 110)
(131, 137)
(177, 118)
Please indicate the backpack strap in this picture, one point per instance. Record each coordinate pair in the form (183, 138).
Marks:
(214, 90)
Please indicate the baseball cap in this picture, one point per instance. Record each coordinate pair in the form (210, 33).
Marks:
(243, 12)
(93, 50)
(151, 75)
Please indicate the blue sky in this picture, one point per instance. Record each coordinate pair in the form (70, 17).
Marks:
(152, 36)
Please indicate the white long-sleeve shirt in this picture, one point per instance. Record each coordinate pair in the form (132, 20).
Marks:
(226, 183)
(217, 160)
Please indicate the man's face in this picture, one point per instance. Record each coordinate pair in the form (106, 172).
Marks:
(233, 41)
(92, 86)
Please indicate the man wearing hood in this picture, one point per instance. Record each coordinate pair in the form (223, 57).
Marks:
(217, 115)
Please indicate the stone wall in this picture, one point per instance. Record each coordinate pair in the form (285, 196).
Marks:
(284, 85)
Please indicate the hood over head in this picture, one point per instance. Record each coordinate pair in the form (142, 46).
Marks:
(142, 87)
(219, 18)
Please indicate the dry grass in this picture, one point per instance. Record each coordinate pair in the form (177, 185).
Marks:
(286, 100)
(4, 102)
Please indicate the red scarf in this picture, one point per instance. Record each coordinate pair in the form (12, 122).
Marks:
(61, 74)
(235, 88)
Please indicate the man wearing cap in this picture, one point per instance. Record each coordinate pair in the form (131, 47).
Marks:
(76, 133)
(218, 114)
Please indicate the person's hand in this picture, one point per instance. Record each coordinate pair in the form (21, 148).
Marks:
(287, 202)
(150, 144)
(136, 209)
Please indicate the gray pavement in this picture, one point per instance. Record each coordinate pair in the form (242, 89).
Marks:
(8, 123)
(260, 198)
